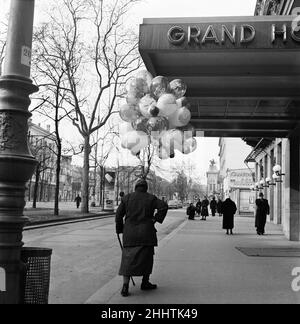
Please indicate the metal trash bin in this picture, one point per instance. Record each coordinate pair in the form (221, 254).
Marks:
(35, 277)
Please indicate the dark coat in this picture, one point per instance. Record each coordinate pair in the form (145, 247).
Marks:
(228, 210)
(138, 209)
(219, 206)
(213, 204)
(191, 211)
(198, 207)
(204, 206)
(262, 210)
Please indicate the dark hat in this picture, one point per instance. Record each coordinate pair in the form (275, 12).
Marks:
(141, 183)
(261, 195)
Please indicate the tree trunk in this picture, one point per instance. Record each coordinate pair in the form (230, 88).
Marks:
(57, 179)
(36, 185)
(86, 169)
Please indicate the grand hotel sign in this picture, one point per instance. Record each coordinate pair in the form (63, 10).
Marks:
(251, 32)
(224, 34)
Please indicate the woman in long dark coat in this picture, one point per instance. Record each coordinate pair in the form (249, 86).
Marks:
(262, 210)
(198, 207)
(139, 234)
(228, 210)
(204, 208)
(213, 206)
(191, 212)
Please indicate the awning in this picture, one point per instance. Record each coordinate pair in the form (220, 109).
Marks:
(243, 73)
(259, 148)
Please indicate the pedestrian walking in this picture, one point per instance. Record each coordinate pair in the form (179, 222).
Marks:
(204, 208)
(198, 207)
(191, 211)
(228, 210)
(139, 234)
(219, 207)
(78, 201)
(262, 210)
(213, 206)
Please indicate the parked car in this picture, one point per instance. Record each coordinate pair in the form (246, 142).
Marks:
(179, 204)
(173, 204)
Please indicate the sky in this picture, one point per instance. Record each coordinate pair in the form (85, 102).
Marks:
(207, 147)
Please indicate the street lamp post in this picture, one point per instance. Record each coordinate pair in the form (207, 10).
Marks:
(16, 162)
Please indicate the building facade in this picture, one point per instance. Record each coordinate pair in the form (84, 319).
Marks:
(213, 180)
(236, 177)
(277, 188)
(42, 145)
(237, 186)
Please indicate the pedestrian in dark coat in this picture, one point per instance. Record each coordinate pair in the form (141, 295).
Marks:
(198, 207)
(204, 208)
(219, 207)
(213, 206)
(262, 210)
(191, 211)
(78, 201)
(139, 234)
(228, 210)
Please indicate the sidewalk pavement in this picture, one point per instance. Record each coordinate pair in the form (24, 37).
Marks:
(199, 264)
(44, 213)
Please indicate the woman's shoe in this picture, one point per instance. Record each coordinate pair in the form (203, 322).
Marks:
(148, 286)
(124, 291)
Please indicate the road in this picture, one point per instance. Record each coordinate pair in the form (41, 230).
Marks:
(85, 255)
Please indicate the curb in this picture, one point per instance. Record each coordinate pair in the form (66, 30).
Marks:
(62, 221)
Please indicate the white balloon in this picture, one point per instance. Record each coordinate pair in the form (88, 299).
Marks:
(189, 146)
(143, 142)
(184, 116)
(180, 118)
(130, 140)
(166, 140)
(167, 105)
(178, 139)
(145, 75)
(125, 128)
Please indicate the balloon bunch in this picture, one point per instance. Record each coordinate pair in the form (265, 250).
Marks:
(157, 112)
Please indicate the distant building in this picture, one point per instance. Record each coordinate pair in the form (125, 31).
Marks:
(232, 154)
(42, 145)
(77, 178)
(237, 185)
(275, 7)
(213, 183)
(65, 183)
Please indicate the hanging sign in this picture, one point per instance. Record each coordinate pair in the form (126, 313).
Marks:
(109, 193)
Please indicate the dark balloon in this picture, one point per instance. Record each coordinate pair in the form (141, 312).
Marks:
(141, 124)
(157, 124)
(154, 111)
(159, 86)
(178, 87)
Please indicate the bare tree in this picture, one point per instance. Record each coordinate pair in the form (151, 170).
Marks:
(101, 147)
(49, 74)
(98, 54)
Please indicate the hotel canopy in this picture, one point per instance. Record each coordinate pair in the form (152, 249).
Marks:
(243, 73)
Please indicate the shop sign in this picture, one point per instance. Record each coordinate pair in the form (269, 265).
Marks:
(222, 34)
